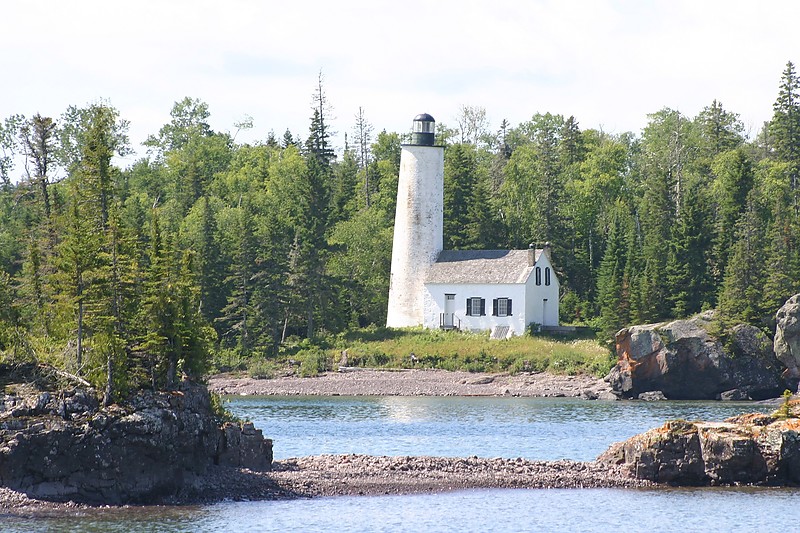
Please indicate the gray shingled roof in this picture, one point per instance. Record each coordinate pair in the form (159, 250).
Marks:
(481, 266)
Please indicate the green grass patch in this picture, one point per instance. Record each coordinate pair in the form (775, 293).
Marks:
(474, 352)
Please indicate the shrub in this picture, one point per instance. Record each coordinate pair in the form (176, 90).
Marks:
(313, 361)
(377, 359)
(259, 368)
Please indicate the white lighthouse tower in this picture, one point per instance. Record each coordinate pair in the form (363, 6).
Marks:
(418, 233)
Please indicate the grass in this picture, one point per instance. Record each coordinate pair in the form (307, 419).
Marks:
(450, 350)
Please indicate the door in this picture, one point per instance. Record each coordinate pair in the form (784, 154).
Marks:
(449, 310)
(544, 312)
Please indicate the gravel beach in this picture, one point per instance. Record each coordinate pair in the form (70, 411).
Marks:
(414, 382)
(351, 475)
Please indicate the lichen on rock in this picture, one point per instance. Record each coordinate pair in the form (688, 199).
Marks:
(748, 449)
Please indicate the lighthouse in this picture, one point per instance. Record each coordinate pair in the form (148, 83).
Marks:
(418, 232)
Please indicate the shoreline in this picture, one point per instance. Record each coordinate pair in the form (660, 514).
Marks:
(355, 475)
(416, 382)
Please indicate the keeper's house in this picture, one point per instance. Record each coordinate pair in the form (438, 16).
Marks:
(503, 291)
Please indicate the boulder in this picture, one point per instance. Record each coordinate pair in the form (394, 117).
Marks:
(787, 339)
(749, 449)
(61, 446)
(683, 361)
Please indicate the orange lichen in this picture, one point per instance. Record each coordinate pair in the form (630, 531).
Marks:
(679, 426)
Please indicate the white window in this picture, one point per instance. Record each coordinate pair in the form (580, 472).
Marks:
(476, 306)
(501, 307)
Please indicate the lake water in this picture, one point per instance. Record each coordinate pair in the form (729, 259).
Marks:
(488, 427)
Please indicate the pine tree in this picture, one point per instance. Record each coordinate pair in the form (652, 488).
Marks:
(77, 257)
(344, 189)
(174, 336)
(237, 315)
(720, 130)
(782, 256)
(459, 180)
(208, 263)
(613, 307)
(785, 126)
(741, 296)
(9, 318)
(318, 143)
(732, 183)
(38, 140)
(688, 276)
(482, 229)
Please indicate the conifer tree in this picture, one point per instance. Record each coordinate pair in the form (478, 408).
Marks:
(38, 140)
(733, 180)
(720, 131)
(785, 126)
(482, 229)
(687, 275)
(741, 296)
(208, 262)
(77, 258)
(459, 180)
(781, 256)
(611, 296)
(238, 315)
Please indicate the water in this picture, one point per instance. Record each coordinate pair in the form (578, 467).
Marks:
(488, 427)
(531, 428)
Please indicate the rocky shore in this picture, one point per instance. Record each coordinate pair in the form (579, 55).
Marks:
(340, 475)
(59, 444)
(415, 382)
(334, 475)
(752, 449)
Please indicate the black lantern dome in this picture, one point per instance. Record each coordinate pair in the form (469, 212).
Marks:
(423, 130)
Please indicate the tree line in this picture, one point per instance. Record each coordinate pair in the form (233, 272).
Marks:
(134, 276)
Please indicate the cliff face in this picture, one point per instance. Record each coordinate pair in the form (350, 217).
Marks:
(748, 449)
(787, 339)
(63, 446)
(681, 360)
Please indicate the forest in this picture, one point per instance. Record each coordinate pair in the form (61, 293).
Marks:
(207, 249)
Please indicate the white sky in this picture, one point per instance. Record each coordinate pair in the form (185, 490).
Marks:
(607, 62)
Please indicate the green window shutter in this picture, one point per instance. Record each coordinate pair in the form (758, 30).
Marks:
(469, 306)
(494, 307)
(483, 307)
(509, 307)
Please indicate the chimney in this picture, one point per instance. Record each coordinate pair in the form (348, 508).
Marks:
(531, 254)
(546, 251)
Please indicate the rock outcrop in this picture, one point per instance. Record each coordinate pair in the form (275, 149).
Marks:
(749, 449)
(787, 339)
(62, 446)
(681, 360)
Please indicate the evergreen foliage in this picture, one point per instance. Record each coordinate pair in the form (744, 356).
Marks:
(135, 276)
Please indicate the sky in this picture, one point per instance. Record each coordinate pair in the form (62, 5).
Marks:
(608, 63)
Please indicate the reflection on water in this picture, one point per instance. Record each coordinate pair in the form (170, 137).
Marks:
(532, 428)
